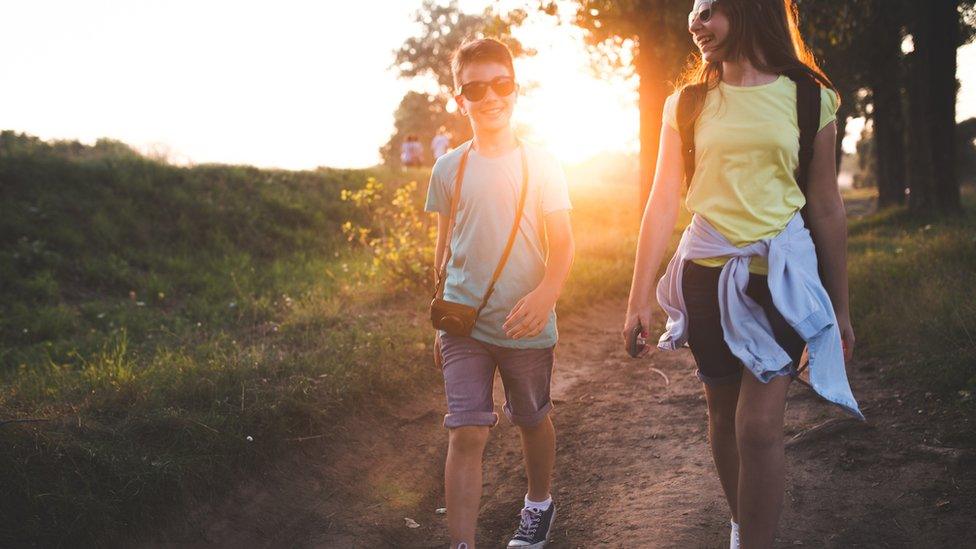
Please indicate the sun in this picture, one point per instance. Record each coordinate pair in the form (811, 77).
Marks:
(565, 106)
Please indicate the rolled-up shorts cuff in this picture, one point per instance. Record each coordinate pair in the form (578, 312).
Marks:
(715, 381)
(527, 420)
(470, 419)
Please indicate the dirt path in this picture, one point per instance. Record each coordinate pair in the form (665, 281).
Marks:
(633, 468)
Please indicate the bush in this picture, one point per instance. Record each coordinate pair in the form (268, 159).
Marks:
(399, 235)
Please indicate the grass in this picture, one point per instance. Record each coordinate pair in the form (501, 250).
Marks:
(173, 329)
(912, 299)
(166, 330)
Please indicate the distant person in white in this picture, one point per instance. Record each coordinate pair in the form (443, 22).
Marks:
(411, 151)
(441, 143)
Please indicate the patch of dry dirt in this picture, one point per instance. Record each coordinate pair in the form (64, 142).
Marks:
(633, 467)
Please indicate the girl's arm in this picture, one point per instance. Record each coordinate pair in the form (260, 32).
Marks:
(828, 223)
(657, 225)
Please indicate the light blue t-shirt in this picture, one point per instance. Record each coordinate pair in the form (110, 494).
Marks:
(486, 211)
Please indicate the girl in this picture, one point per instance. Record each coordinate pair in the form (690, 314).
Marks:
(743, 288)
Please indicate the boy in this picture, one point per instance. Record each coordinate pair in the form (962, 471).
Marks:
(516, 329)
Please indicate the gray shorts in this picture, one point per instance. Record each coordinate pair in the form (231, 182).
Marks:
(469, 373)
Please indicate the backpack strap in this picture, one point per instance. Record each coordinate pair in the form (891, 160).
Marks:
(691, 98)
(808, 120)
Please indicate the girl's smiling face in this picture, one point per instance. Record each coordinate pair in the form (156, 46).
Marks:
(709, 27)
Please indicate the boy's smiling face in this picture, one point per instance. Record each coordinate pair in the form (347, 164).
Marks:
(493, 112)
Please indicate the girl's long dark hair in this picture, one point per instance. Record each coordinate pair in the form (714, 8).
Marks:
(766, 33)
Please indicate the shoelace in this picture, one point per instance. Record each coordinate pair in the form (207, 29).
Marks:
(528, 523)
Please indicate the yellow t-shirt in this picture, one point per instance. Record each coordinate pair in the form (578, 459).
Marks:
(747, 146)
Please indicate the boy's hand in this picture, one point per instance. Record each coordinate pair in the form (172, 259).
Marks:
(530, 315)
(438, 359)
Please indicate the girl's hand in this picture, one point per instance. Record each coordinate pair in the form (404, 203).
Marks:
(642, 315)
(846, 336)
(530, 315)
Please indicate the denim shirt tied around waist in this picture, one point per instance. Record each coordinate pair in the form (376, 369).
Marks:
(797, 293)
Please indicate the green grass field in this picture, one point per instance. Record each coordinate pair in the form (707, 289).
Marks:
(164, 330)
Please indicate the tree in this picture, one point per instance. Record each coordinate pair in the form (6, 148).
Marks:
(938, 28)
(443, 29)
(654, 33)
(861, 43)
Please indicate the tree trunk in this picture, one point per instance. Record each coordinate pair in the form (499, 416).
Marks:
(886, 95)
(932, 105)
(844, 112)
(652, 91)
(944, 88)
(920, 197)
(920, 174)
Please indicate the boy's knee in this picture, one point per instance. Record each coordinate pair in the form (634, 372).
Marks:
(541, 426)
(469, 439)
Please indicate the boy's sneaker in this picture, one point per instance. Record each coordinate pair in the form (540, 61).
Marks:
(534, 528)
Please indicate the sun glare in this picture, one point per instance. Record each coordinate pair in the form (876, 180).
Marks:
(563, 104)
(565, 107)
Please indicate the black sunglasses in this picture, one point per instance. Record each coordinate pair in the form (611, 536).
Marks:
(476, 89)
(703, 13)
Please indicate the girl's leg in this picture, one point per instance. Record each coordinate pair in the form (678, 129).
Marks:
(759, 434)
(722, 401)
(718, 369)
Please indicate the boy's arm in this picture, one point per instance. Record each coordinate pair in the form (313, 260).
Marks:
(529, 316)
(443, 222)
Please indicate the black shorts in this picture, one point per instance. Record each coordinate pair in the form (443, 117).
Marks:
(716, 363)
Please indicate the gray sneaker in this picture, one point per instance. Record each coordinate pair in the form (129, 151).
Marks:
(534, 528)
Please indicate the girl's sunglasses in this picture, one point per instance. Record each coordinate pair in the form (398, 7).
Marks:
(703, 12)
(476, 89)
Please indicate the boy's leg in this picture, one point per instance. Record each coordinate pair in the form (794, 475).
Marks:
(527, 376)
(462, 482)
(469, 371)
(539, 452)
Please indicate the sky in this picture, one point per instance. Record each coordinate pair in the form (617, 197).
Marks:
(289, 84)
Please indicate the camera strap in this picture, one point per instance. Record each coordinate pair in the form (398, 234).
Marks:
(455, 200)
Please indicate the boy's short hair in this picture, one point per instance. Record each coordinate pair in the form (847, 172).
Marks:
(482, 50)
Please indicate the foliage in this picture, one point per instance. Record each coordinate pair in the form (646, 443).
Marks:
(443, 28)
(399, 236)
(152, 317)
(911, 282)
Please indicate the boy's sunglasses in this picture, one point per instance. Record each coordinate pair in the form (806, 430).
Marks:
(703, 12)
(476, 89)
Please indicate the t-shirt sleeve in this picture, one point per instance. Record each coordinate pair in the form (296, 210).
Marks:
(555, 191)
(828, 107)
(438, 199)
(671, 111)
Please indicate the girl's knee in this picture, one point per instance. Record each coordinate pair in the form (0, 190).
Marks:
(758, 434)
